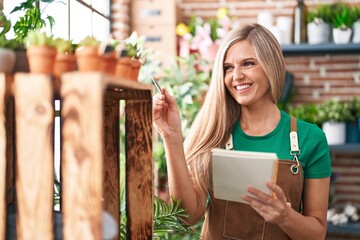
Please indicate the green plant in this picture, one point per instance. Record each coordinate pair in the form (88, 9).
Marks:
(343, 16)
(306, 112)
(6, 25)
(356, 10)
(321, 13)
(64, 46)
(37, 37)
(89, 42)
(133, 46)
(335, 111)
(187, 83)
(353, 106)
(32, 18)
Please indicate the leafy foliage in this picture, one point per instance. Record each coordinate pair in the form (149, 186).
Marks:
(187, 83)
(6, 24)
(306, 112)
(321, 13)
(168, 218)
(36, 37)
(334, 110)
(64, 46)
(343, 16)
(89, 41)
(32, 19)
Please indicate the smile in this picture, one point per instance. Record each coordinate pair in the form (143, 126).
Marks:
(242, 87)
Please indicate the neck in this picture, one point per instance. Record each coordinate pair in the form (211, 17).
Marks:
(259, 122)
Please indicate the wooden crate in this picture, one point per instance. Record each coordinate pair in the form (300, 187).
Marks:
(90, 153)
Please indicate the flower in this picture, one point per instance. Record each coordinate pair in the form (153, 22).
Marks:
(204, 36)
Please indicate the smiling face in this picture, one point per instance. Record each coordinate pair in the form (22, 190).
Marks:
(244, 77)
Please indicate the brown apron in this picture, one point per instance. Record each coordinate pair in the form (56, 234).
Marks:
(234, 220)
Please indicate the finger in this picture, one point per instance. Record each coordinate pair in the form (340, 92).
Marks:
(263, 197)
(277, 191)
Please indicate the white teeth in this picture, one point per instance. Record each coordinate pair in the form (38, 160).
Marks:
(241, 87)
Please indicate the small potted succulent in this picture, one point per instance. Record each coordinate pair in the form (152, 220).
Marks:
(333, 114)
(108, 54)
(87, 54)
(318, 24)
(342, 20)
(128, 65)
(65, 58)
(40, 51)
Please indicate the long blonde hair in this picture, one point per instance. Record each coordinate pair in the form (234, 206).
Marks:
(220, 112)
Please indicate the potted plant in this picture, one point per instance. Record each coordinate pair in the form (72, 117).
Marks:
(87, 54)
(108, 54)
(306, 112)
(356, 25)
(333, 115)
(65, 58)
(318, 24)
(7, 53)
(40, 51)
(342, 20)
(128, 64)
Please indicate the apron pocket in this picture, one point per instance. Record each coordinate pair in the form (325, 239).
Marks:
(242, 222)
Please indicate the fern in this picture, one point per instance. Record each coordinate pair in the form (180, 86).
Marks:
(169, 218)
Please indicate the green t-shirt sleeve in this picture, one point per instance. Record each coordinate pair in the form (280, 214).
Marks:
(318, 162)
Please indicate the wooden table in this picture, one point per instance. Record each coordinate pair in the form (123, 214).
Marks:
(89, 149)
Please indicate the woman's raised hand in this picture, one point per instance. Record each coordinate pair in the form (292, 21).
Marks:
(166, 115)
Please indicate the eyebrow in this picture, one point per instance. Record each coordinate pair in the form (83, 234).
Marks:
(243, 60)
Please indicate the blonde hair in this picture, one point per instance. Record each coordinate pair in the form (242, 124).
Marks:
(219, 113)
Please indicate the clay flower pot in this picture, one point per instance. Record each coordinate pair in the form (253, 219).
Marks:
(41, 59)
(128, 68)
(87, 58)
(108, 63)
(64, 62)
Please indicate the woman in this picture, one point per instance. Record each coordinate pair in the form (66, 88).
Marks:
(241, 108)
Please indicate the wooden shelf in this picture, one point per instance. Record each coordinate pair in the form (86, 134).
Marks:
(320, 49)
(346, 148)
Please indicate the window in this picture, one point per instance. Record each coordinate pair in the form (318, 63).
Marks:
(74, 19)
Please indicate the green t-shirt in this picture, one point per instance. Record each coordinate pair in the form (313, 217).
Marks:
(314, 150)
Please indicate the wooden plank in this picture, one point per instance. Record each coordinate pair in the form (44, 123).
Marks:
(10, 140)
(139, 169)
(82, 153)
(111, 157)
(2, 156)
(34, 176)
(136, 95)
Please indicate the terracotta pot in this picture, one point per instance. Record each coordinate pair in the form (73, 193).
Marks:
(88, 59)
(135, 69)
(64, 62)
(128, 68)
(41, 59)
(108, 63)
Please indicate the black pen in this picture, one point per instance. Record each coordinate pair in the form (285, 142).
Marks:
(156, 85)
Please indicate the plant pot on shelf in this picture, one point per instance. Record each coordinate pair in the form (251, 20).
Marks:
(335, 132)
(318, 33)
(108, 63)
(41, 59)
(356, 31)
(341, 36)
(352, 132)
(87, 58)
(64, 62)
(128, 68)
(7, 60)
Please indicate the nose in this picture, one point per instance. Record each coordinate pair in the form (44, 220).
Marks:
(238, 74)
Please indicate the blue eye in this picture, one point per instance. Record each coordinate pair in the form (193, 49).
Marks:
(248, 64)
